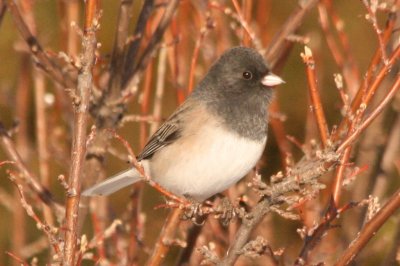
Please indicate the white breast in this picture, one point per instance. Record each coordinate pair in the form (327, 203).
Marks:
(206, 162)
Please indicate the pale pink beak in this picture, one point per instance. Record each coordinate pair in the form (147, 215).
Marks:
(271, 80)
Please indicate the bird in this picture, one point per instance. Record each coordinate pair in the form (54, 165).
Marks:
(215, 137)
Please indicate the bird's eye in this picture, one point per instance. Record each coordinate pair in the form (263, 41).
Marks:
(247, 75)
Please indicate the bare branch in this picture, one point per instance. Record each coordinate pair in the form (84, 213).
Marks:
(43, 61)
(84, 87)
(370, 229)
(133, 78)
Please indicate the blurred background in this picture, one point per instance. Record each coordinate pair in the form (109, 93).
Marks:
(210, 27)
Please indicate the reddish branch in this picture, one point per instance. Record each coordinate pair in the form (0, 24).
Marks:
(315, 97)
(32, 181)
(370, 229)
(48, 230)
(280, 44)
(245, 26)
(340, 175)
(144, 175)
(366, 91)
(43, 60)
(314, 235)
(84, 87)
(165, 239)
(18, 259)
(340, 49)
(116, 67)
(371, 16)
(203, 31)
(357, 131)
(155, 39)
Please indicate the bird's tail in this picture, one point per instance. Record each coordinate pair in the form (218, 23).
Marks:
(114, 183)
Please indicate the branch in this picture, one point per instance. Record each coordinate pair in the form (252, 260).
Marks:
(43, 226)
(3, 8)
(133, 79)
(354, 134)
(313, 236)
(370, 229)
(366, 91)
(133, 48)
(165, 238)
(340, 50)
(43, 61)
(203, 31)
(116, 67)
(316, 103)
(84, 86)
(303, 174)
(275, 51)
(32, 181)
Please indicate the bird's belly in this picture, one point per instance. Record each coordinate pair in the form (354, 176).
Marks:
(200, 166)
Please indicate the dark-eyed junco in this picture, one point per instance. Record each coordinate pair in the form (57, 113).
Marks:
(215, 137)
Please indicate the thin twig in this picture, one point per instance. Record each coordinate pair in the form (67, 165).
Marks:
(80, 127)
(42, 192)
(50, 232)
(144, 59)
(340, 50)
(18, 259)
(118, 53)
(160, 86)
(133, 48)
(3, 8)
(357, 131)
(278, 47)
(371, 17)
(203, 31)
(246, 27)
(316, 104)
(165, 238)
(340, 175)
(366, 91)
(43, 61)
(370, 229)
(314, 235)
(144, 175)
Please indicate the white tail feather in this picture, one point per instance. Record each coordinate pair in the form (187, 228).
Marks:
(114, 183)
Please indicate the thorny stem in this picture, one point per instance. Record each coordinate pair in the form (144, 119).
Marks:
(84, 86)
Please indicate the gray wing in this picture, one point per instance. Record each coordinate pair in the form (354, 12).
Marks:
(171, 130)
(165, 135)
